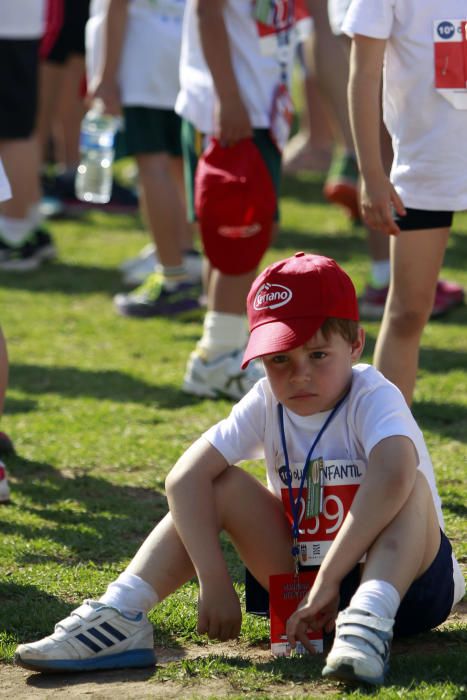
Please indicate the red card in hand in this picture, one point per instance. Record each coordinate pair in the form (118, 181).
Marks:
(286, 591)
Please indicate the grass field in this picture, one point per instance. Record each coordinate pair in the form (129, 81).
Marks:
(96, 412)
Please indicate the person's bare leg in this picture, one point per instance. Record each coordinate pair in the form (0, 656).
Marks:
(70, 111)
(228, 293)
(21, 160)
(189, 232)
(416, 259)
(311, 147)
(247, 511)
(163, 207)
(3, 370)
(408, 545)
(331, 61)
(50, 84)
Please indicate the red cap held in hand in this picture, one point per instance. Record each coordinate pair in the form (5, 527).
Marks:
(235, 203)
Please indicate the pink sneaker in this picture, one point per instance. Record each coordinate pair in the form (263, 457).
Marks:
(448, 295)
(372, 301)
(4, 488)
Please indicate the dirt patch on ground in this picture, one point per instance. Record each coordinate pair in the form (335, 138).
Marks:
(19, 684)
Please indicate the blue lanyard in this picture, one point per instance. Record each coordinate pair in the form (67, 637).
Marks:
(295, 504)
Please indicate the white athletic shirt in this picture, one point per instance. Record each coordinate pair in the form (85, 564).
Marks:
(373, 410)
(149, 66)
(430, 151)
(5, 190)
(336, 11)
(22, 19)
(255, 64)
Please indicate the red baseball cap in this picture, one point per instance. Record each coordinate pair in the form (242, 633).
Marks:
(290, 300)
(235, 203)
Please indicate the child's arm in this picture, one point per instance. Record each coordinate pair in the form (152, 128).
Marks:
(190, 493)
(388, 483)
(233, 121)
(377, 193)
(107, 88)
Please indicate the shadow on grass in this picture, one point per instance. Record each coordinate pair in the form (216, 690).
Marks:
(343, 247)
(99, 384)
(91, 518)
(28, 609)
(446, 418)
(65, 278)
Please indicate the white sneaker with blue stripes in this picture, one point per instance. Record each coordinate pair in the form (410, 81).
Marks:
(360, 653)
(94, 637)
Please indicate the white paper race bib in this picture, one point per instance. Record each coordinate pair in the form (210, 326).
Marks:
(450, 54)
(340, 480)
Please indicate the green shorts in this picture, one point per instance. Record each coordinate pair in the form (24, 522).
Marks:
(194, 143)
(150, 130)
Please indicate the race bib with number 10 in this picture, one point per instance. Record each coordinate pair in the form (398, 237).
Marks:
(450, 52)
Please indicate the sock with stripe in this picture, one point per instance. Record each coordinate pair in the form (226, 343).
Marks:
(173, 276)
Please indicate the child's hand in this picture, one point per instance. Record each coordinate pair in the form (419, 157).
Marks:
(109, 93)
(232, 121)
(377, 200)
(219, 613)
(317, 610)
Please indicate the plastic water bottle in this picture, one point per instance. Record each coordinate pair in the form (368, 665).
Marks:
(93, 181)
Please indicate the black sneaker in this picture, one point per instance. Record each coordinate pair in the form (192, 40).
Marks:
(152, 299)
(123, 200)
(38, 248)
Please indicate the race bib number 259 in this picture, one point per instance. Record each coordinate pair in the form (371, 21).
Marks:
(341, 480)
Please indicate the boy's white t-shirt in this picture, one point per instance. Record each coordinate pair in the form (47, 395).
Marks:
(22, 19)
(373, 410)
(255, 64)
(5, 189)
(149, 66)
(430, 152)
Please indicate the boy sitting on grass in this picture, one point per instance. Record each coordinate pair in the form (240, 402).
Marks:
(385, 561)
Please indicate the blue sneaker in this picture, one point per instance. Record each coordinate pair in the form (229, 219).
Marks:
(94, 637)
(360, 653)
(153, 299)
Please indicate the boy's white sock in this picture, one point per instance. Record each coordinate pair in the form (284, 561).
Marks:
(14, 232)
(130, 594)
(376, 597)
(35, 217)
(222, 333)
(380, 273)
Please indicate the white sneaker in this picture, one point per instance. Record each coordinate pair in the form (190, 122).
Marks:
(222, 377)
(360, 652)
(94, 637)
(136, 270)
(4, 488)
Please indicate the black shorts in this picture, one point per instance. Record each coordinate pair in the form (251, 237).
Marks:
(426, 604)
(19, 65)
(419, 219)
(151, 130)
(64, 33)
